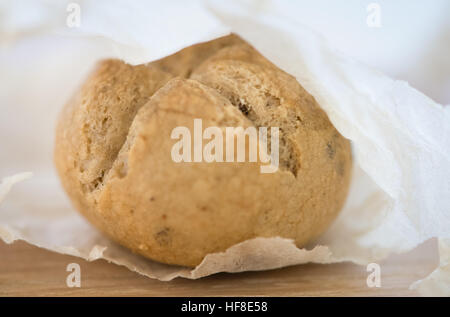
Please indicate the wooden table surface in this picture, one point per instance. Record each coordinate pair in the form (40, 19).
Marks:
(29, 271)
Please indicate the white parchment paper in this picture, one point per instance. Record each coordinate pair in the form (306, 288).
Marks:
(400, 193)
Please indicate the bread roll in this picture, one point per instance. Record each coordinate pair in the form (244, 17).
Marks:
(113, 154)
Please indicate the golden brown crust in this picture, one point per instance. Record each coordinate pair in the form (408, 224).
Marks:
(176, 213)
(185, 61)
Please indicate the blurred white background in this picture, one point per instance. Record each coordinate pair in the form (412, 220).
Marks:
(411, 42)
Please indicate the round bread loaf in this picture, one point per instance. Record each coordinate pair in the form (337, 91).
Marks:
(113, 154)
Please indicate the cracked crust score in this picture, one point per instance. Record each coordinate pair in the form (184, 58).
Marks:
(113, 146)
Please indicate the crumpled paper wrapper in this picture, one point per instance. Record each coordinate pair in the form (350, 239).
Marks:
(400, 192)
(438, 282)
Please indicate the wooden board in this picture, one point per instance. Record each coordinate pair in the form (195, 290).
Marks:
(29, 271)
